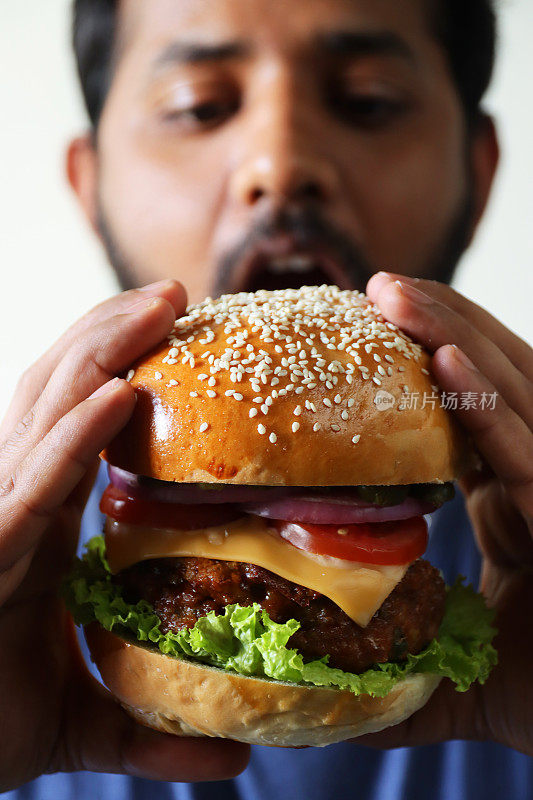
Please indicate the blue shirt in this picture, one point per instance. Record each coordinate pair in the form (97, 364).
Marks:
(450, 771)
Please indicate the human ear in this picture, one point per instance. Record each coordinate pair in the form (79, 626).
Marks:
(484, 157)
(81, 164)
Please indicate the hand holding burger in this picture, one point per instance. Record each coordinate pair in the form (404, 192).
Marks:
(485, 357)
(261, 576)
(55, 717)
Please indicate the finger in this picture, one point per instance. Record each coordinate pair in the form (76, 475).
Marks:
(97, 735)
(106, 350)
(35, 378)
(516, 349)
(447, 715)
(501, 436)
(434, 325)
(49, 473)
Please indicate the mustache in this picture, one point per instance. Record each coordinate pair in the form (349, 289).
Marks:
(308, 228)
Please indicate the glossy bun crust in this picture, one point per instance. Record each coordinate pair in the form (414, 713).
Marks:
(190, 699)
(302, 387)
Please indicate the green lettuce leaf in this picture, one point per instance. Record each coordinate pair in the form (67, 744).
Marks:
(244, 638)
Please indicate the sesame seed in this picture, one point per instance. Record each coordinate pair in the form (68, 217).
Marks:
(327, 402)
(203, 427)
(356, 438)
(252, 412)
(211, 393)
(424, 371)
(351, 402)
(341, 320)
(158, 376)
(261, 429)
(130, 375)
(317, 426)
(335, 427)
(193, 394)
(273, 438)
(297, 411)
(337, 398)
(237, 396)
(295, 426)
(344, 415)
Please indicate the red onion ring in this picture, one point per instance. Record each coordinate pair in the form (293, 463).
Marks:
(296, 509)
(290, 503)
(167, 492)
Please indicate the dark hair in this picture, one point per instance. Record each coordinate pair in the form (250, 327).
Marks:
(466, 30)
(94, 30)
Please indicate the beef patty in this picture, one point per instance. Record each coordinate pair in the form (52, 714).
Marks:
(183, 589)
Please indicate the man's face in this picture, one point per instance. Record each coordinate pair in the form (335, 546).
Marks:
(260, 143)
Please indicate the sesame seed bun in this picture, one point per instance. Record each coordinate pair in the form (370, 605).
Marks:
(295, 387)
(187, 698)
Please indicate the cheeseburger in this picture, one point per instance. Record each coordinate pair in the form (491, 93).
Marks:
(260, 576)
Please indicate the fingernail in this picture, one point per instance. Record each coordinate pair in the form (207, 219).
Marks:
(155, 287)
(414, 294)
(108, 387)
(146, 302)
(463, 359)
(385, 274)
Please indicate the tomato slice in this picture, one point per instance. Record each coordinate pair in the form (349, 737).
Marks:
(180, 516)
(396, 542)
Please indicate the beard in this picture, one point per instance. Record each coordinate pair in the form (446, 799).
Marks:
(308, 225)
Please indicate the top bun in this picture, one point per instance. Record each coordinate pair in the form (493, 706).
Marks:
(294, 387)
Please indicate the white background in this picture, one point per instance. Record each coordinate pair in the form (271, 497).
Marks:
(51, 266)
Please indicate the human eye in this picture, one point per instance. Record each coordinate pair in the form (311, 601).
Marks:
(203, 115)
(191, 111)
(371, 107)
(368, 111)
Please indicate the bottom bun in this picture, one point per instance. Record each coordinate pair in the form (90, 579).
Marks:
(187, 698)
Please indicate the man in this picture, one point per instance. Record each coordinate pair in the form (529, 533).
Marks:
(222, 131)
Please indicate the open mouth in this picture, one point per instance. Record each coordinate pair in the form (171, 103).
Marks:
(287, 272)
(292, 270)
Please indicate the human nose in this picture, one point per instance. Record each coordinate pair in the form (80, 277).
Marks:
(284, 156)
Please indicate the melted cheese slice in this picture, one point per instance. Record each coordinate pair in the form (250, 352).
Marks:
(358, 588)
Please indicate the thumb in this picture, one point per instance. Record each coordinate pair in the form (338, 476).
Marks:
(98, 735)
(448, 714)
